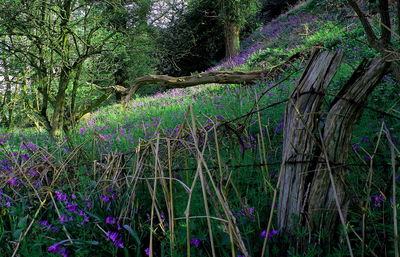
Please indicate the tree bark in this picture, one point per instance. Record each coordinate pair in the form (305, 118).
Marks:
(386, 34)
(383, 45)
(398, 16)
(7, 96)
(343, 115)
(306, 190)
(232, 39)
(216, 77)
(301, 123)
(65, 76)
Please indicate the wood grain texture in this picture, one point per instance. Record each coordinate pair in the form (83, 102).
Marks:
(301, 121)
(343, 115)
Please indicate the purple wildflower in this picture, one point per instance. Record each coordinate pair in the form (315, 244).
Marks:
(367, 158)
(44, 223)
(82, 131)
(32, 172)
(376, 201)
(356, 147)
(61, 196)
(55, 248)
(32, 146)
(270, 234)
(13, 181)
(111, 220)
(85, 220)
(105, 198)
(64, 218)
(58, 248)
(147, 251)
(72, 208)
(195, 241)
(114, 237)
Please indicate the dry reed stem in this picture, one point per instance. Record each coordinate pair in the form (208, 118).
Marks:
(171, 214)
(23, 235)
(202, 182)
(368, 189)
(394, 203)
(226, 209)
(342, 219)
(153, 197)
(59, 216)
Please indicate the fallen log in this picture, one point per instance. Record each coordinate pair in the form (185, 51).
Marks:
(213, 77)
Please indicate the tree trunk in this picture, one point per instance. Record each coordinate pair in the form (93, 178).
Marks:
(217, 77)
(232, 39)
(301, 123)
(65, 76)
(306, 190)
(59, 106)
(72, 110)
(343, 115)
(7, 96)
(398, 16)
(386, 34)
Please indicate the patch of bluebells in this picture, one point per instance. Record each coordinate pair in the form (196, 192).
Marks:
(45, 224)
(248, 143)
(70, 206)
(4, 139)
(59, 248)
(195, 241)
(271, 234)
(245, 211)
(257, 43)
(29, 146)
(5, 201)
(75, 212)
(115, 238)
(377, 201)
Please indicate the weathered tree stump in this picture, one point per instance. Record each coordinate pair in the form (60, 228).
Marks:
(344, 112)
(301, 122)
(306, 190)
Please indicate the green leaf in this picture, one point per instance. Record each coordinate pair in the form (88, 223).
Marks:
(133, 233)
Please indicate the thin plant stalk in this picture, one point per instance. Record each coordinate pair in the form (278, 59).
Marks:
(271, 213)
(203, 187)
(342, 220)
(171, 219)
(395, 229)
(154, 196)
(394, 202)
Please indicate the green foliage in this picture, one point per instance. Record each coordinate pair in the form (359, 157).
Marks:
(328, 36)
(237, 10)
(194, 42)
